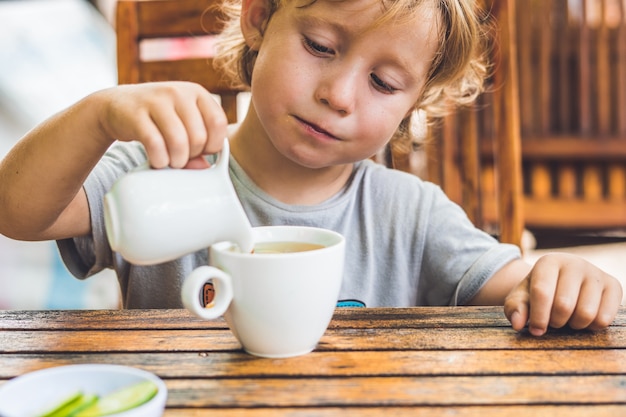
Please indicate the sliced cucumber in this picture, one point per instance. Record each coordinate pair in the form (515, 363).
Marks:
(71, 404)
(121, 400)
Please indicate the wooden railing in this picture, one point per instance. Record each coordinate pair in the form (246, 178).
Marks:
(571, 65)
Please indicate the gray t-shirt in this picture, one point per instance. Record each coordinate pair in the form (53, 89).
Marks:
(407, 244)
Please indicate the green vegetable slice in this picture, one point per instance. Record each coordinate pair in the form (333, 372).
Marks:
(71, 404)
(121, 400)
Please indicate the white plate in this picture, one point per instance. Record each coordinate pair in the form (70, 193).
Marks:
(32, 393)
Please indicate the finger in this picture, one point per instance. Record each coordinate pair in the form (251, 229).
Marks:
(566, 297)
(542, 287)
(174, 136)
(516, 305)
(197, 163)
(586, 309)
(215, 123)
(609, 305)
(152, 140)
(193, 121)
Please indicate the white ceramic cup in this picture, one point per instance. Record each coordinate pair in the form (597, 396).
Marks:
(157, 215)
(276, 304)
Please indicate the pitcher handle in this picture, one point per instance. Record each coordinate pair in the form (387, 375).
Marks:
(223, 158)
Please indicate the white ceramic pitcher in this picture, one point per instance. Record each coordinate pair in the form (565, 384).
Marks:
(157, 215)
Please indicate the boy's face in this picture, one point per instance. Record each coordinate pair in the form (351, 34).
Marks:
(331, 88)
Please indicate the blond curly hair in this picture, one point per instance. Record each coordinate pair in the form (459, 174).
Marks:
(456, 75)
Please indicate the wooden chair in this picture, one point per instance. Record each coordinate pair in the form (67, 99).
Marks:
(455, 160)
(141, 24)
(572, 61)
(474, 154)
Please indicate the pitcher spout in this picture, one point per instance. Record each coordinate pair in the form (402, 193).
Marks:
(245, 241)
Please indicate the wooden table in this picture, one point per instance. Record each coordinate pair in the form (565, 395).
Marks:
(394, 362)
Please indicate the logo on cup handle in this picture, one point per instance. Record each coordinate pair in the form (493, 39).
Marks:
(211, 284)
(208, 294)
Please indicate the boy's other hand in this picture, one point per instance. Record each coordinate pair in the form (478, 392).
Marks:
(563, 289)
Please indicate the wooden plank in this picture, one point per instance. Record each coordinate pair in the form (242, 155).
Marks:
(433, 151)
(471, 195)
(199, 70)
(556, 213)
(600, 410)
(617, 171)
(584, 74)
(412, 317)
(616, 178)
(620, 106)
(488, 338)
(592, 183)
(540, 181)
(543, 73)
(592, 176)
(507, 125)
(127, 43)
(525, 33)
(164, 19)
(334, 339)
(353, 318)
(229, 104)
(103, 320)
(566, 181)
(116, 341)
(603, 74)
(518, 394)
(567, 147)
(562, 45)
(450, 167)
(489, 203)
(397, 391)
(423, 317)
(237, 364)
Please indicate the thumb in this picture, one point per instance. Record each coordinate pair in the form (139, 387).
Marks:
(516, 305)
(197, 163)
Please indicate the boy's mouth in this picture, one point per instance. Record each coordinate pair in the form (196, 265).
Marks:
(316, 128)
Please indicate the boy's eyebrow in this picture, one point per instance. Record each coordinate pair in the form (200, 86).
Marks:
(309, 20)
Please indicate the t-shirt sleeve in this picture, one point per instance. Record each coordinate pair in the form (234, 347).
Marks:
(458, 256)
(88, 255)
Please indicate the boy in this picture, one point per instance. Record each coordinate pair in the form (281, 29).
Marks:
(332, 82)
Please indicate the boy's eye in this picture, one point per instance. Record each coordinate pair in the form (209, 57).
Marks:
(316, 48)
(381, 85)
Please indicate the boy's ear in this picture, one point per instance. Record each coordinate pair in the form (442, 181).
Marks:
(254, 17)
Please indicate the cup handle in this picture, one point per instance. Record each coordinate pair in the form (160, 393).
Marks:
(194, 284)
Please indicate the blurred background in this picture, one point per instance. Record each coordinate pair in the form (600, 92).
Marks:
(53, 52)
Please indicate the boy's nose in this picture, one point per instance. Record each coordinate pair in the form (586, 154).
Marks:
(338, 90)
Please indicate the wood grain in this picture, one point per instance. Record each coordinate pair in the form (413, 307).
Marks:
(463, 361)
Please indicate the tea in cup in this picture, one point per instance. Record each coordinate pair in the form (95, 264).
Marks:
(283, 247)
(278, 299)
